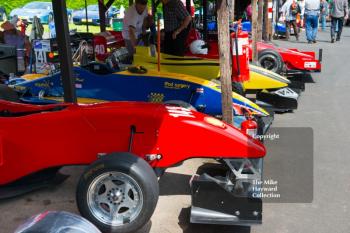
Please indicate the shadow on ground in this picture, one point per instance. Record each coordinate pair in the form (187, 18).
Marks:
(187, 227)
(174, 184)
(303, 77)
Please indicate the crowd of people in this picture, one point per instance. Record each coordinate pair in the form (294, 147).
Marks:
(312, 15)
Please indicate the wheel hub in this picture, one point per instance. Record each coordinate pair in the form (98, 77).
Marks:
(115, 196)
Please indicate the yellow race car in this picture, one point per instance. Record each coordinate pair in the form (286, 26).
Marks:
(260, 78)
(271, 89)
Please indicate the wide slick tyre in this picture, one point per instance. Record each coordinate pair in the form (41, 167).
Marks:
(271, 60)
(118, 193)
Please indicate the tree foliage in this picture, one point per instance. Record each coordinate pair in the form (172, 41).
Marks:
(72, 4)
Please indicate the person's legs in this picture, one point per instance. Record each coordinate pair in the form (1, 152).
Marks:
(323, 22)
(333, 25)
(308, 28)
(168, 43)
(287, 29)
(179, 43)
(314, 27)
(295, 28)
(302, 21)
(340, 27)
(175, 47)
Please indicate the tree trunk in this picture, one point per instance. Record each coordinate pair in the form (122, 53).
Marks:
(260, 18)
(225, 58)
(267, 29)
(232, 10)
(254, 30)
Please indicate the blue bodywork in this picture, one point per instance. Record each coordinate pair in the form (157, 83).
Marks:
(126, 86)
(79, 16)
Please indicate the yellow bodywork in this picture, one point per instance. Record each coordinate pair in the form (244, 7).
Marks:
(260, 78)
(30, 77)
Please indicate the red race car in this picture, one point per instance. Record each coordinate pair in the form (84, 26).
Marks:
(126, 145)
(270, 56)
(281, 60)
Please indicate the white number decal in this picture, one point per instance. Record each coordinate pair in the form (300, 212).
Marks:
(179, 112)
(100, 49)
(40, 56)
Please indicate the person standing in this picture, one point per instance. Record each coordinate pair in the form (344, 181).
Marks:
(176, 21)
(133, 24)
(323, 13)
(312, 12)
(290, 10)
(338, 12)
(302, 12)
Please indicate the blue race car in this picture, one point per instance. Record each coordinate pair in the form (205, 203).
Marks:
(43, 10)
(96, 82)
(79, 16)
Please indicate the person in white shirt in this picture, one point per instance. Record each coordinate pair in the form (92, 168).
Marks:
(133, 24)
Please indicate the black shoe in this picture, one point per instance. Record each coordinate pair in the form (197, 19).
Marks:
(314, 41)
(338, 39)
(332, 41)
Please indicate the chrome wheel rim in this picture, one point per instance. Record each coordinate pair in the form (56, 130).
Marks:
(115, 198)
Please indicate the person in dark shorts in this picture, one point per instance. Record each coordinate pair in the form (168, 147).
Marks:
(176, 21)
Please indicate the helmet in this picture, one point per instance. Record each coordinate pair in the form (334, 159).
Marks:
(198, 47)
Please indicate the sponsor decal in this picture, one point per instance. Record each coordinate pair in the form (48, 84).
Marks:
(155, 97)
(176, 111)
(176, 86)
(310, 64)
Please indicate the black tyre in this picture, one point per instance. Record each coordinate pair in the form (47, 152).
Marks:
(7, 93)
(238, 88)
(271, 60)
(118, 193)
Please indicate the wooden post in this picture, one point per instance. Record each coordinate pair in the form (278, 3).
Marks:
(268, 17)
(260, 18)
(158, 43)
(232, 11)
(225, 57)
(102, 14)
(254, 31)
(64, 50)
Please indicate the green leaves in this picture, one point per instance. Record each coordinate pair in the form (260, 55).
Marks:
(72, 4)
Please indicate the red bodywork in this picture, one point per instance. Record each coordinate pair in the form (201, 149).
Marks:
(293, 58)
(37, 137)
(106, 41)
